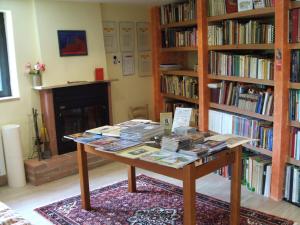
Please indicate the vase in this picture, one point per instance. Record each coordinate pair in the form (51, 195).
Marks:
(36, 80)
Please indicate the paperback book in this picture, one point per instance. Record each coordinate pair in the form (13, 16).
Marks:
(137, 152)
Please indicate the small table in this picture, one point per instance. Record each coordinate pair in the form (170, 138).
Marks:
(188, 174)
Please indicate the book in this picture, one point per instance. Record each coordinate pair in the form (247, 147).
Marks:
(166, 120)
(244, 5)
(231, 6)
(110, 144)
(182, 117)
(107, 130)
(171, 159)
(83, 137)
(231, 140)
(137, 152)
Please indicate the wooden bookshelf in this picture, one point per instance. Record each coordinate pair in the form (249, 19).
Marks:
(294, 85)
(294, 123)
(241, 47)
(281, 84)
(293, 161)
(179, 49)
(189, 73)
(190, 23)
(180, 98)
(236, 110)
(264, 12)
(241, 79)
(294, 45)
(259, 150)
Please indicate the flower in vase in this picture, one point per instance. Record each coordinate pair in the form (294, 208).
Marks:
(38, 68)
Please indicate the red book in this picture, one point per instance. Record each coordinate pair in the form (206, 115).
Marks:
(231, 6)
(295, 15)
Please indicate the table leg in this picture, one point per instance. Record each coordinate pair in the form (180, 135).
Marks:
(131, 179)
(84, 177)
(189, 195)
(235, 195)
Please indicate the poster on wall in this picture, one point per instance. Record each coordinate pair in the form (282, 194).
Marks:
(127, 36)
(128, 63)
(72, 42)
(143, 36)
(110, 36)
(145, 63)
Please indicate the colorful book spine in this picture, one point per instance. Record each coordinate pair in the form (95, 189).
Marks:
(241, 65)
(226, 123)
(178, 12)
(179, 37)
(294, 105)
(295, 143)
(294, 24)
(180, 85)
(232, 32)
(292, 184)
(295, 68)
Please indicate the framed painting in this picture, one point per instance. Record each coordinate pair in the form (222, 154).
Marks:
(72, 42)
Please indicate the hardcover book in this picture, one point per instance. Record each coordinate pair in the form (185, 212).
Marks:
(244, 5)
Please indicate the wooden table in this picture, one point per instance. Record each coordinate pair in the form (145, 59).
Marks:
(188, 174)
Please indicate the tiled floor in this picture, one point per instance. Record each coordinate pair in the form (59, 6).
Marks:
(25, 199)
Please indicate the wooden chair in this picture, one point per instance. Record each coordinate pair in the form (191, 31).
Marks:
(139, 112)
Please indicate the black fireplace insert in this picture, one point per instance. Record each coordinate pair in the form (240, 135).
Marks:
(77, 109)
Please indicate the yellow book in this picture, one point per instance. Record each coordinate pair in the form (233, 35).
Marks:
(137, 152)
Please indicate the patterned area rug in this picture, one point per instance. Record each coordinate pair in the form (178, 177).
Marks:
(155, 203)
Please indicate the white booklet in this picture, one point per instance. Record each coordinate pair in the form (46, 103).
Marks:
(182, 117)
(232, 140)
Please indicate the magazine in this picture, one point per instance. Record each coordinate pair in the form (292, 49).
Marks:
(113, 131)
(171, 159)
(230, 139)
(137, 152)
(110, 144)
(85, 137)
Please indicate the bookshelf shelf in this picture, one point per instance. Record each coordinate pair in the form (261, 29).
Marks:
(241, 47)
(190, 23)
(179, 49)
(294, 45)
(189, 73)
(294, 5)
(234, 109)
(295, 123)
(259, 150)
(264, 12)
(180, 98)
(294, 85)
(293, 161)
(241, 79)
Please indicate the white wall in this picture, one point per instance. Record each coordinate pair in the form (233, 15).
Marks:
(130, 90)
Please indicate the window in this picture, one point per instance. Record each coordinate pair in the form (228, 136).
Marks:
(5, 88)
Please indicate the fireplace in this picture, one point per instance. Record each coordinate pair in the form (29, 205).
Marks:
(74, 108)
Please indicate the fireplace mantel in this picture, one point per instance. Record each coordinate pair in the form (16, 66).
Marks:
(70, 84)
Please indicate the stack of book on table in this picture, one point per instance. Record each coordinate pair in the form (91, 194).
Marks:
(175, 142)
(142, 132)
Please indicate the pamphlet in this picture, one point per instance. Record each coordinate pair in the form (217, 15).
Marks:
(182, 117)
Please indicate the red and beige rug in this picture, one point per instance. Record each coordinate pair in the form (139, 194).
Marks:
(155, 203)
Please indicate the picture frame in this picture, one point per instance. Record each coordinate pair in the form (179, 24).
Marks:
(143, 36)
(72, 43)
(127, 37)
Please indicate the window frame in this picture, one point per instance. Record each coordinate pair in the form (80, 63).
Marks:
(11, 56)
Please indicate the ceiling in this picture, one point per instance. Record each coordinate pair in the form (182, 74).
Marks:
(148, 2)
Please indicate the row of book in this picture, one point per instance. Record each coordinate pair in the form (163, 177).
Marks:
(179, 37)
(246, 97)
(241, 65)
(232, 32)
(295, 66)
(294, 105)
(256, 172)
(178, 12)
(295, 143)
(170, 106)
(180, 85)
(220, 7)
(292, 184)
(294, 25)
(226, 123)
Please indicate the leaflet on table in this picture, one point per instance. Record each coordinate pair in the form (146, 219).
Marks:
(107, 130)
(83, 138)
(111, 144)
(171, 159)
(182, 117)
(137, 152)
(230, 139)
